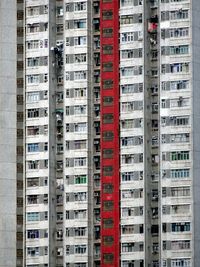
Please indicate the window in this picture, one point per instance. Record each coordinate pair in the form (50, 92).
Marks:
(33, 11)
(80, 75)
(175, 68)
(80, 40)
(132, 193)
(80, 24)
(107, 32)
(108, 118)
(32, 234)
(179, 50)
(108, 205)
(108, 258)
(32, 44)
(127, 212)
(80, 127)
(80, 6)
(108, 240)
(107, 170)
(33, 113)
(80, 214)
(33, 62)
(78, 58)
(107, 84)
(179, 85)
(108, 136)
(129, 263)
(33, 164)
(131, 71)
(176, 138)
(80, 231)
(128, 159)
(108, 67)
(80, 264)
(80, 249)
(80, 179)
(107, 49)
(131, 176)
(59, 28)
(180, 102)
(79, 110)
(33, 79)
(175, 121)
(108, 153)
(59, 148)
(32, 182)
(80, 196)
(126, 19)
(128, 247)
(59, 11)
(174, 15)
(108, 188)
(32, 28)
(79, 162)
(33, 97)
(181, 263)
(131, 106)
(132, 88)
(130, 37)
(180, 227)
(108, 223)
(34, 147)
(178, 32)
(180, 244)
(131, 53)
(107, 14)
(126, 230)
(180, 173)
(125, 3)
(33, 216)
(179, 14)
(131, 158)
(180, 155)
(67, 247)
(180, 191)
(32, 130)
(180, 209)
(80, 144)
(32, 251)
(128, 124)
(59, 216)
(80, 92)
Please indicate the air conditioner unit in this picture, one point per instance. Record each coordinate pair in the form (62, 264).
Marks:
(59, 100)
(58, 118)
(155, 197)
(59, 251)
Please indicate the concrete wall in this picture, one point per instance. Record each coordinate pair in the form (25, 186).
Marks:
(196, 128)
(7, 133)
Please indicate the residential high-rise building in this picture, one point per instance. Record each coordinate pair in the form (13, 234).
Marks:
(112, 124)
(11, 133)
(8, 135)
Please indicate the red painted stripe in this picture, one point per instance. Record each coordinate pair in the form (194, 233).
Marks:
(113, 249)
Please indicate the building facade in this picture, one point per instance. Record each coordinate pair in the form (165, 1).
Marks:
(111, 133)
(11, 133)
(8, 136)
